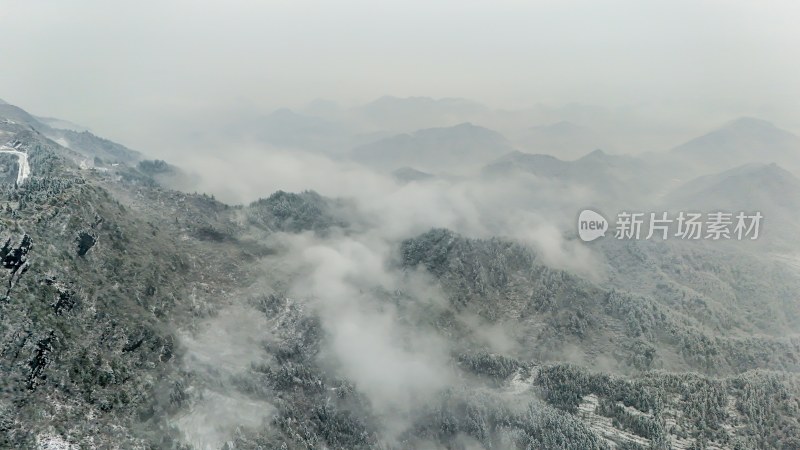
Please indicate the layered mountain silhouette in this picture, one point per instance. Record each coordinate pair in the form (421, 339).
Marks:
(409, 174)
(742, 141)
(137, 316)
(435, 149)
(751, 186)
(411, 113)
(765, 188)
(567, 140)
(610, 178)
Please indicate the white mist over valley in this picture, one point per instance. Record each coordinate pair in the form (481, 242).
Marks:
(300, 225)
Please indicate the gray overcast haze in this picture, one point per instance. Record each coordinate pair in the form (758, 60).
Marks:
(130, 70)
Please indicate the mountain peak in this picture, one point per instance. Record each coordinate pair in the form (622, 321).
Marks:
(596, 154)
(518, 156)
(741, 141)
(744, 130)
(463, 126)
(285, 112)
(435, 149)
(407, 174)
(750, 123)
(752, 186)
(774, 171)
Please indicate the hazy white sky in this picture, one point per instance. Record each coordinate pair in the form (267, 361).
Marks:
(119, 66)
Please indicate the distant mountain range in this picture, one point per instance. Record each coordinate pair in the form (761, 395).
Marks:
(612, 179)
(742, 141)
(765, 188)
(412, 113)
(407, 174)
(565, 140)
(435, 149)
(137, 316)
